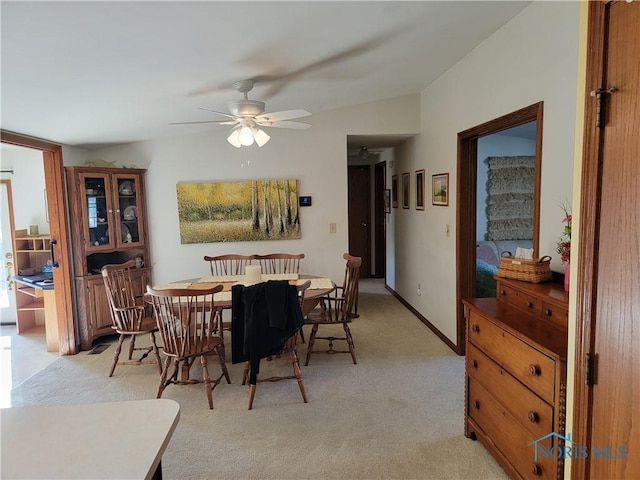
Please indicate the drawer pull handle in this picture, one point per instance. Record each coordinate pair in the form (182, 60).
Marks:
(475, 328)
(534, 417)
(529, 304)
(502, 292)
(474, 364)
(476, 404)
(547, 312)
(534, 369)
(536, 470)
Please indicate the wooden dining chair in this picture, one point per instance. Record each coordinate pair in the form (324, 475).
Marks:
(186, 320)
(275, 263)
(231, 264)
(338, 308)
(290, 348)
(264, 318)
(128, 315)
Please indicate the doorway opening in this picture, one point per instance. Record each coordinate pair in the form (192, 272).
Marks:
(54, 196)
(370, 158)
(467, 201)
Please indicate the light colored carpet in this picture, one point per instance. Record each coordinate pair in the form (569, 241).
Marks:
(397, 414)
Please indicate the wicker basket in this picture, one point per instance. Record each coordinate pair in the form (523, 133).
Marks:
(535, 271)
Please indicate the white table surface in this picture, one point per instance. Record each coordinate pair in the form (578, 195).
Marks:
(116, 440)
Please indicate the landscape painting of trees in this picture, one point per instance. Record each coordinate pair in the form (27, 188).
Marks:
(238, 211)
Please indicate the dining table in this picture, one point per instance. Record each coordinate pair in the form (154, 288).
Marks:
(319, 287)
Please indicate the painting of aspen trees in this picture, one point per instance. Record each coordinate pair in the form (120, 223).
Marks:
(238, 211)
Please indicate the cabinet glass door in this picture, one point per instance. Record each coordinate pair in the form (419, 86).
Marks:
(127, 190)
(97, 213)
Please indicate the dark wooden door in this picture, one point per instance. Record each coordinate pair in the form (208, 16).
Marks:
(607, 415)
(359, 216)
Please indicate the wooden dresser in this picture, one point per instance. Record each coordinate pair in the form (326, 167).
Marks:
(515, 373)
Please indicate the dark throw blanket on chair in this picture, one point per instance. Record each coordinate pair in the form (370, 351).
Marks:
(263, 317)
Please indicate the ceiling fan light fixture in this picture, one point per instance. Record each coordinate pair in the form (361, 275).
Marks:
(245, 136)
(234, 137)
(260, 137)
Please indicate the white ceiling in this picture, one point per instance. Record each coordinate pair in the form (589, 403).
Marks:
(96, 73)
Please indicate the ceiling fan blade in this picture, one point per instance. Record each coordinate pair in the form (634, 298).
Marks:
(286, 124)
(218, 113)
(211, 88)
(354, 51)
(224, 122)
(283, 115)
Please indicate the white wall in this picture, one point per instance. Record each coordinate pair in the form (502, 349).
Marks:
(490, 146)
(317, 157)
(521, 64)
(532, 58)
(27, 187)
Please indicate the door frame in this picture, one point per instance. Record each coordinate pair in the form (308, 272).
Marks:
(59, 228)
(466, 201)
(587, 274)
(380, 223)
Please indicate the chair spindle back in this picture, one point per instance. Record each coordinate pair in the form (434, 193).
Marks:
(277, 263)
(232, 264)
(121, 296)
(186, 319)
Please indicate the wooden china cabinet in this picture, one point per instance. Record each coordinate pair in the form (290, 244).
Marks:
(108, 225)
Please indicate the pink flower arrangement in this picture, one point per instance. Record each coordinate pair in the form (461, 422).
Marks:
(564, 244)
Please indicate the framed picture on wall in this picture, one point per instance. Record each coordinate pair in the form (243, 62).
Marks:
(394, 191)
(440, 189)
(420, 189)
(387, 201)
(405, 190)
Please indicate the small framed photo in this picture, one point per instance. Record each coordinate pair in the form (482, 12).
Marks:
(420, 189)
(440, 189)
(405, 190)
(387, 201)
(394, 191)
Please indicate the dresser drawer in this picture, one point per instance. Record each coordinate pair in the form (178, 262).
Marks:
(530, 366)
(519, 299)
(513, 441)
(527, 408)
(558, 315)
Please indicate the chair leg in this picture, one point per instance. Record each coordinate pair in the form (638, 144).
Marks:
(163, 376)
(220, 331)
(116, 355)
(301, 331)
(207, 380)
(156, 352)
(252, 394)
(352, 349)
(245, 372)
(132, 346)
(312, 340)
(298, 373)
(223, 364)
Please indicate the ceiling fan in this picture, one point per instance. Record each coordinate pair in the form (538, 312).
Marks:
(248, 115)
